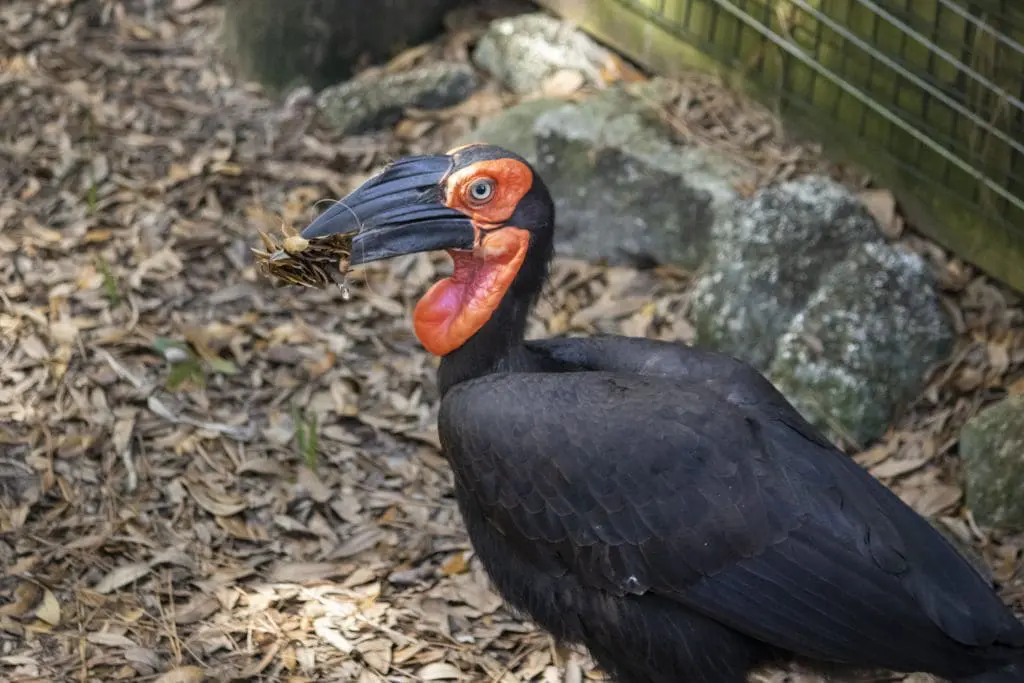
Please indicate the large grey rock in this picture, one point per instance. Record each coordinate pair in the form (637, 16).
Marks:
(375, 100)
(524, 51)
(284, 43)
(803, 286)
(771, 253)
(863, 343)
(513, 128)
(625, 191)
(992, 449)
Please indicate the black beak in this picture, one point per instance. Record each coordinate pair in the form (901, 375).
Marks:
(399, 211)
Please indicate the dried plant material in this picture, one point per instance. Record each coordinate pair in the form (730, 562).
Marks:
(325, 630)
(122, 576)
(183, 674)
(305, 263)
(215, 503)
(882, 205)
(456, 564)
(26, 595)
(563, 83)
(439, 671)
(49, 609)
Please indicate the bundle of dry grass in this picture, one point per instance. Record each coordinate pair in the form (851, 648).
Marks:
(302, 262)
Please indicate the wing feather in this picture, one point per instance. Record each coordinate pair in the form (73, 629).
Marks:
(647, 484)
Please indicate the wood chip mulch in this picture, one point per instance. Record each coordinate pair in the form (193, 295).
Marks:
(202, 475)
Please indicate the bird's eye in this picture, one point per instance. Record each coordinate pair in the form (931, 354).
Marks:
(481, 190)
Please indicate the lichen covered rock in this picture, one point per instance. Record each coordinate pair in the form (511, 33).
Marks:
(992, 450)
(524, 51)
(512, 129)
(626, 192)
(377, 100)
(771, 252)
(863, 342)
(802, 285)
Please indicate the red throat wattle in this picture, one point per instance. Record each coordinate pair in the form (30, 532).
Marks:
(455, 309)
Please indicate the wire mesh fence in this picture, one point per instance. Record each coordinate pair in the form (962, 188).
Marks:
(930, 90)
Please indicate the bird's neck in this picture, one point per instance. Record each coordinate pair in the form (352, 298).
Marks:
(498, 345)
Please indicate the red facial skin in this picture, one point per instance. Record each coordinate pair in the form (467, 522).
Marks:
(455, 309)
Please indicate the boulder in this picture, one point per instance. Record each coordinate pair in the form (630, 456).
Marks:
(377, 100)
(802, 285)
(513, 127)
(772, 251)
(526, 50)
(284, 44)
(992, 450)
(863, 344)
(626, 191)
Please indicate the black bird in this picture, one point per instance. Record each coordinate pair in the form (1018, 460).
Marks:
(662, 505)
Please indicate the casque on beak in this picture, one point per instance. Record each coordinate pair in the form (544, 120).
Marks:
(399, 211)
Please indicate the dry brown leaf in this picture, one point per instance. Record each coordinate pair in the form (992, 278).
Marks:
(473, 590)
(457, 563)
(107, 639)
(876, 454)
(216, 503)
(257, 668)
(312, 484)
(534, 664)
(269, 466)
(239, 528)
(332, 636)
(937, 498)
(122, 576)
(184, 674)
(49, 609)
(439, 671)
(197, 609)
(999, 356)
(377, 653)
(608, 308)
(301, 572)
(882, 205)
(23, 565)
(896, 467)
(64, 332)
(563, 83)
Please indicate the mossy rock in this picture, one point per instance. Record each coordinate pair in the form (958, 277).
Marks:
(992, 450)
(863, 344)
(772, 251)
(513, 128)
(378, 100)
(627, 191)
(803, 286)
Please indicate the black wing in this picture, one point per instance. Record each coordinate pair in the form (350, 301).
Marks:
(731, 379)
(641, 484)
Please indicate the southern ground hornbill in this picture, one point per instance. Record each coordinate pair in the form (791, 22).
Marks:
(662, 505)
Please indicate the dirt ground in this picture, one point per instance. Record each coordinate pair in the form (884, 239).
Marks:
(202, 475)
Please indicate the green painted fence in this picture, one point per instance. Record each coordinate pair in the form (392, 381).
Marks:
(927, 94)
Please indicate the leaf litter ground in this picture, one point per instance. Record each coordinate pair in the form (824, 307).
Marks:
(202, 475)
